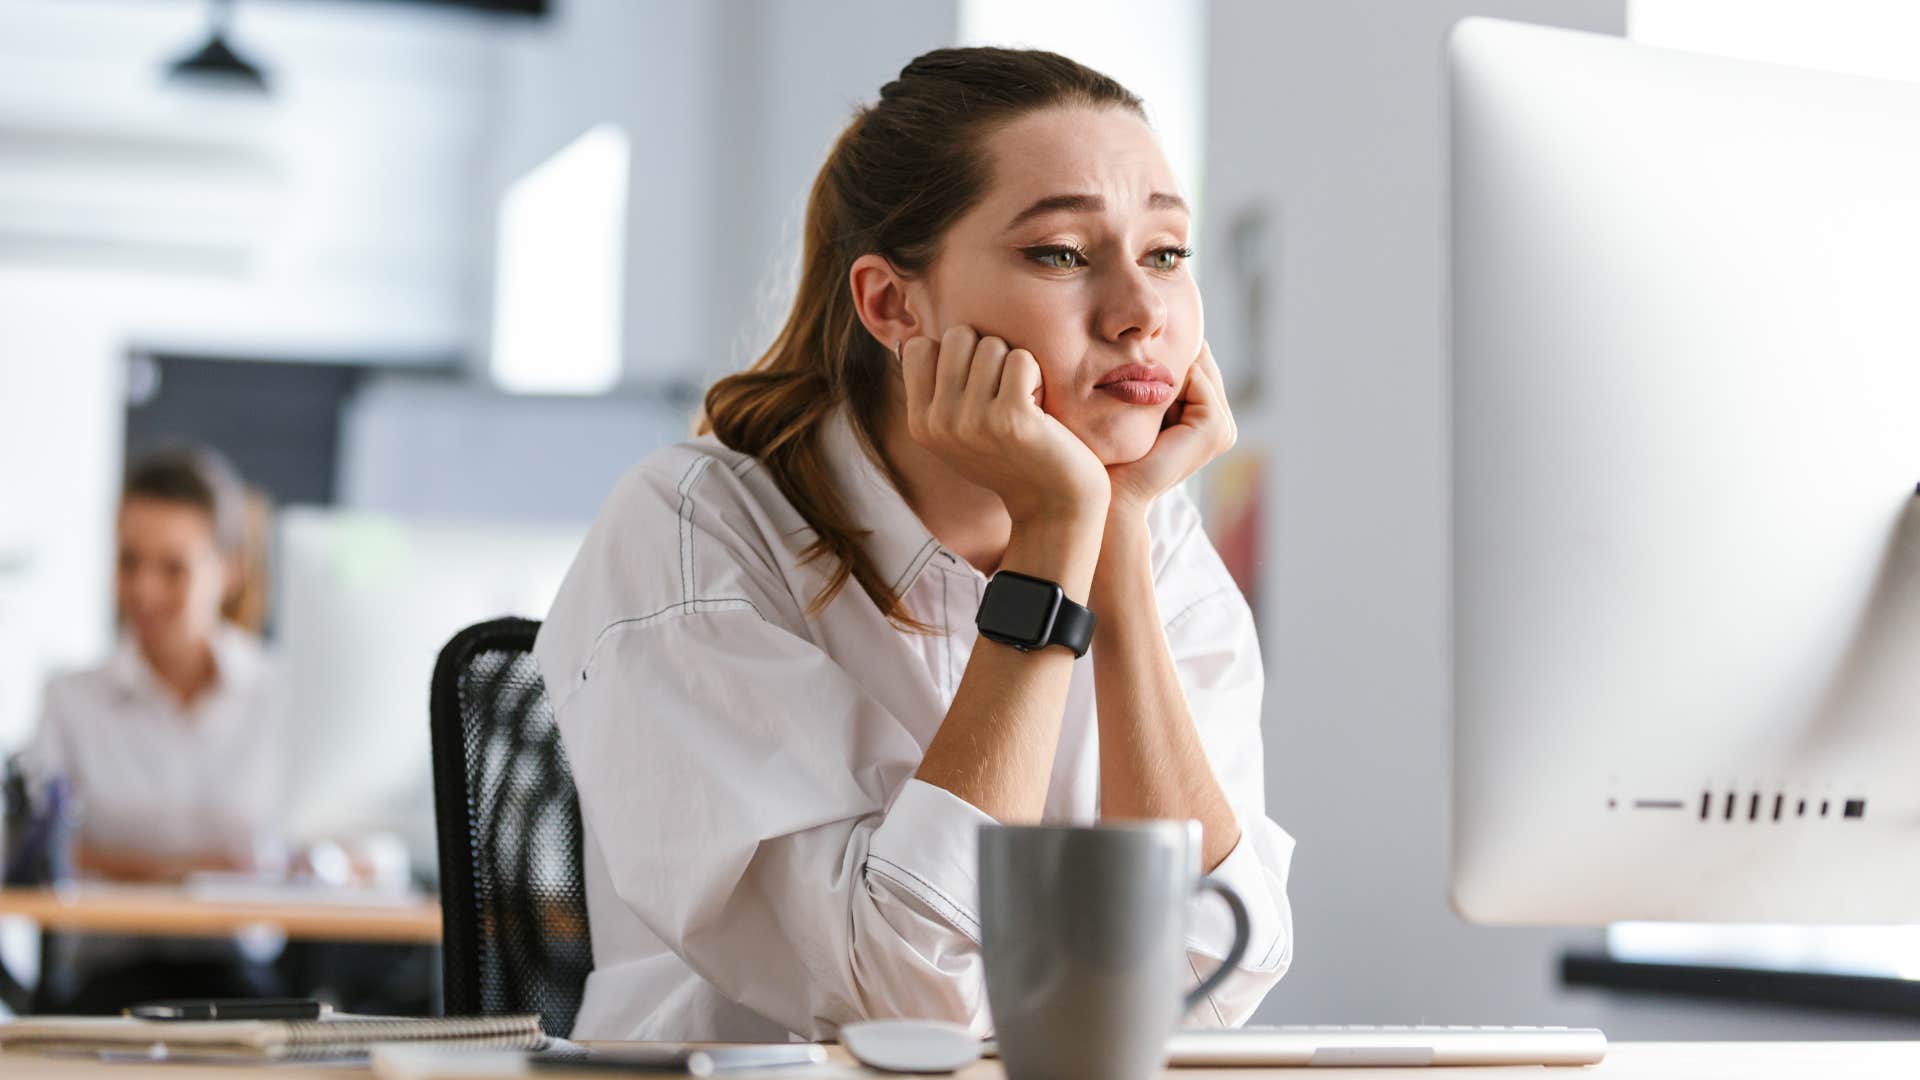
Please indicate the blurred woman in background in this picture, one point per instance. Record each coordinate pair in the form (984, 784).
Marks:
(171, 748)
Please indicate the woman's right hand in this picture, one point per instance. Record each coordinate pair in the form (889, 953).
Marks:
(973, 402)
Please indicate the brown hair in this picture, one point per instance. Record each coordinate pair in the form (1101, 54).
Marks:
(197, 477)
(904, 170)
(201, 478)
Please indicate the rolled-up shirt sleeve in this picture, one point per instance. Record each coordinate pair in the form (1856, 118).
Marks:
(757, 811)
(1216, 653)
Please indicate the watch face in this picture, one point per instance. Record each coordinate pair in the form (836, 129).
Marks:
(1019, 609)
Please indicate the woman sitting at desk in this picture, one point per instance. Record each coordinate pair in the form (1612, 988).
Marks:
(171, 748)
(785, 728)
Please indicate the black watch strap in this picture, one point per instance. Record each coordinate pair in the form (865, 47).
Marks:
(1072, 627)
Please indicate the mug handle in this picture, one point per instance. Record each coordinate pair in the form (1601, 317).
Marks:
(1242, 933)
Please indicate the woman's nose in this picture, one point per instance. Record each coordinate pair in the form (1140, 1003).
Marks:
(144, 590)
(1133, 306)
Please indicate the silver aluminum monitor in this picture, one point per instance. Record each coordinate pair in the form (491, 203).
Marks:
(367, 600)
(1686, 439)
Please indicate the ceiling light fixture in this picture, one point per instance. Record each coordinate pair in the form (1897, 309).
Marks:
(215, 63)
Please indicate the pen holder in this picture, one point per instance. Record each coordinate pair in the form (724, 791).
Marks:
(36, 840)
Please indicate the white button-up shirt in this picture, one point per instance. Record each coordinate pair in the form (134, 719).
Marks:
(760, 860)
(155, 777)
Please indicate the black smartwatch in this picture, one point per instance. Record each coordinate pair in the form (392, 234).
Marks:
(1031, 613)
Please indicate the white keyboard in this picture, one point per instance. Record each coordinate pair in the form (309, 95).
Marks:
(1386, 1045)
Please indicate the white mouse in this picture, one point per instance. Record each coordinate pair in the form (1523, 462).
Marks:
(911, 1046)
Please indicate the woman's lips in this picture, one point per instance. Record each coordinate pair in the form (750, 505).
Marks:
(1138, 384)
(1139, 391)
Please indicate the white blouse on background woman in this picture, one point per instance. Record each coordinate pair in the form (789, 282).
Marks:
(160, 778)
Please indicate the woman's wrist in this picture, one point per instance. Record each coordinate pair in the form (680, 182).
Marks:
(1126, 512)
(1036, 508)
(1063, 550)
(1124, 556)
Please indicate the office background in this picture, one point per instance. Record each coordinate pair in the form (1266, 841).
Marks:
(355, 224)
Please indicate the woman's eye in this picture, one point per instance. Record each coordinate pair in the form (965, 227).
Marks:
(1058, 258)
(1063, 257)
(1177, 254)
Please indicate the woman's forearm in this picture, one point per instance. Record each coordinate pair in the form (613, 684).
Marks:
(1152, 764)
(995, 747)
(119, 864)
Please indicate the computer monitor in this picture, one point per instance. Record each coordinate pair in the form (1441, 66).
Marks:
(1686, 439)
(365, 603)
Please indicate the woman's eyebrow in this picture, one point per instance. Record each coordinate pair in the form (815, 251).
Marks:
(1083, 204)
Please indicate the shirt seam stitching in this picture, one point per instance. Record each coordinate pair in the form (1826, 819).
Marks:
(709, 603)
(1264, 964)
(1197, 980)
(926, 891)
(1195, 604)
(1267, 961)
(920, 559)
(946, 636)
(690, 478)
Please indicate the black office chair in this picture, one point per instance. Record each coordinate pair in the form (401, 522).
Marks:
(512, 890)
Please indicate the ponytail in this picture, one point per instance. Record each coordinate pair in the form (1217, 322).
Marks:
(774, 410)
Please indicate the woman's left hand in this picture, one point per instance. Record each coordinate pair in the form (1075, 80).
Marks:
(1198, 428)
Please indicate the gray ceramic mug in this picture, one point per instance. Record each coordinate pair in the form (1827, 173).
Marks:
(1083, 933)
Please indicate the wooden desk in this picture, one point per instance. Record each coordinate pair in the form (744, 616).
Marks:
(168, 912)
(1625, 1061)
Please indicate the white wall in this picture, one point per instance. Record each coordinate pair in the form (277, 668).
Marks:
(731, 108)
(638, 64)
(1155, 48)
(442, 449)
(791, 77)
(60, 431)
(1333, 115)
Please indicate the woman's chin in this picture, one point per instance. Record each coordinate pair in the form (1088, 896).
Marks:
(1125, 442)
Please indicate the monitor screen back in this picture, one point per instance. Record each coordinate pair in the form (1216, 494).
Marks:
(1686, 441)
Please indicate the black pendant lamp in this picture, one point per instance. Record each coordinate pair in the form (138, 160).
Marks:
(215, 63)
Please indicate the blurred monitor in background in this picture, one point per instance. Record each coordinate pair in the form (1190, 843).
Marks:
(365, 602)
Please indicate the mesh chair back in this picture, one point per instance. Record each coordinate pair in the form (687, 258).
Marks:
(511, 883)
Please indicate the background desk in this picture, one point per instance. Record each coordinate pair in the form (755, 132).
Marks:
(1625, 1061)
(169, 912)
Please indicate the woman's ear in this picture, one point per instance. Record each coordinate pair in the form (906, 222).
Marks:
(886, 300)
(232, 578)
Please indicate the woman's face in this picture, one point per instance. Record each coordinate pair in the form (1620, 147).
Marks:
(1074, 254)
(172, 575)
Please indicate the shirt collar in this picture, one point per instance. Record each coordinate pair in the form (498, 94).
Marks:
(235, 661)
(899, 545)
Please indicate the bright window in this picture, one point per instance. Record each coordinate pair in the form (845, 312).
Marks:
(1878, 38)
(560, 270)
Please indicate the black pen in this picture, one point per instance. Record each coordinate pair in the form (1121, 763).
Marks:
(231, 1009)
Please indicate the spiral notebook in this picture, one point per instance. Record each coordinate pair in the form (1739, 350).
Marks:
(261, 1040)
